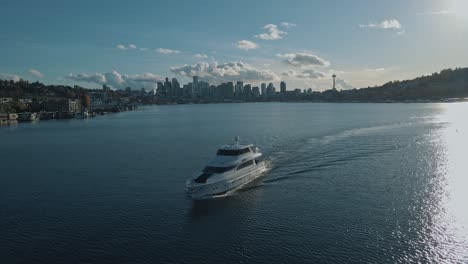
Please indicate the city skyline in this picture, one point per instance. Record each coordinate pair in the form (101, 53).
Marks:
(303, 43)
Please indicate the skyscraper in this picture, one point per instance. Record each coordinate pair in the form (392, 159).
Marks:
(175, 87)
(282, 87)
(247, 91)
(256, 92)
(195, 87)
(238, 88)
(161, 91)
(270, 89)
(168, 87)
(263, 87)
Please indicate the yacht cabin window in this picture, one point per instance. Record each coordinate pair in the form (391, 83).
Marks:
(232, 152)
(245, 164)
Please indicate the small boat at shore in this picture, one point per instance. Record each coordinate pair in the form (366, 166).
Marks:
(82, 115)
(234, 166)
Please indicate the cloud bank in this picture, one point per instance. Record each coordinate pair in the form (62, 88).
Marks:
(117, 80)
(167, 51)
(342, 84)
(231, 71)
(312, 74)
(303, 60)
(36, 73)
(201, 56)
(9, 77)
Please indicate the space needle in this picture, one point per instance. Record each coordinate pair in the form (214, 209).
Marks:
(334, 76)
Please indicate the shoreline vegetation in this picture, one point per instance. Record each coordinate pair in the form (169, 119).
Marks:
(24, 101)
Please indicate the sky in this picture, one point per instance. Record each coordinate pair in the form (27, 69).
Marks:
(138, 43)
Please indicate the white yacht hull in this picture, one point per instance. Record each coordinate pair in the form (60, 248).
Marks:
(236, 180)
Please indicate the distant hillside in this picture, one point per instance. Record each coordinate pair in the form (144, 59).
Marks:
(449, 83)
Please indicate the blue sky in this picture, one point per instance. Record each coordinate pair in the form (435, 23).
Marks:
(136, 43)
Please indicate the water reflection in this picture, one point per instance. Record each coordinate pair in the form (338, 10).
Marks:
(236, 201)
(436, 228)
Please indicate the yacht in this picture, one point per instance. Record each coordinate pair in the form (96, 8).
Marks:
(234, 166)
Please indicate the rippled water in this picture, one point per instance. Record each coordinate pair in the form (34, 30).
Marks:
(380, 183)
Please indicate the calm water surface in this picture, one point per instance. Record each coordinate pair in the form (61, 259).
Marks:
(363, 183)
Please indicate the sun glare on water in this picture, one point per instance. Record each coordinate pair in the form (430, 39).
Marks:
(454, 168)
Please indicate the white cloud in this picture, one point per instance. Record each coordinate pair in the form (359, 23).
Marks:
(401, 32)
(303, 60)
(438, 12)
(200, 56)
(36, 73)
(117, 80)
(386, 24)
(246, 45)
(167, 51)
(273, 33)
(9, 77)
(375, 70)
(230, 71)
(288, 24)
(342, 84)
(305, 74)
(121, 47)
(130, 47)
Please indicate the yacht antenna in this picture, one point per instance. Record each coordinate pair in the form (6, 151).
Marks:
(236, 139)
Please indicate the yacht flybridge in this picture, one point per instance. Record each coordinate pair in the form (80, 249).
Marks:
(233, 166)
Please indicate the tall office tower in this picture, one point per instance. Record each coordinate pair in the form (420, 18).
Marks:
(196, 89)
(282, 87)
(161, 91)
(238, 88)
(256, 92)
(168, 87)
(247, 89)
(204, 88)
(270, 89)
(190, 89)
(263, 87)
(230, 90)
(175, 87)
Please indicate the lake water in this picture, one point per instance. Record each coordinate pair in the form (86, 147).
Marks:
(379, 183)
